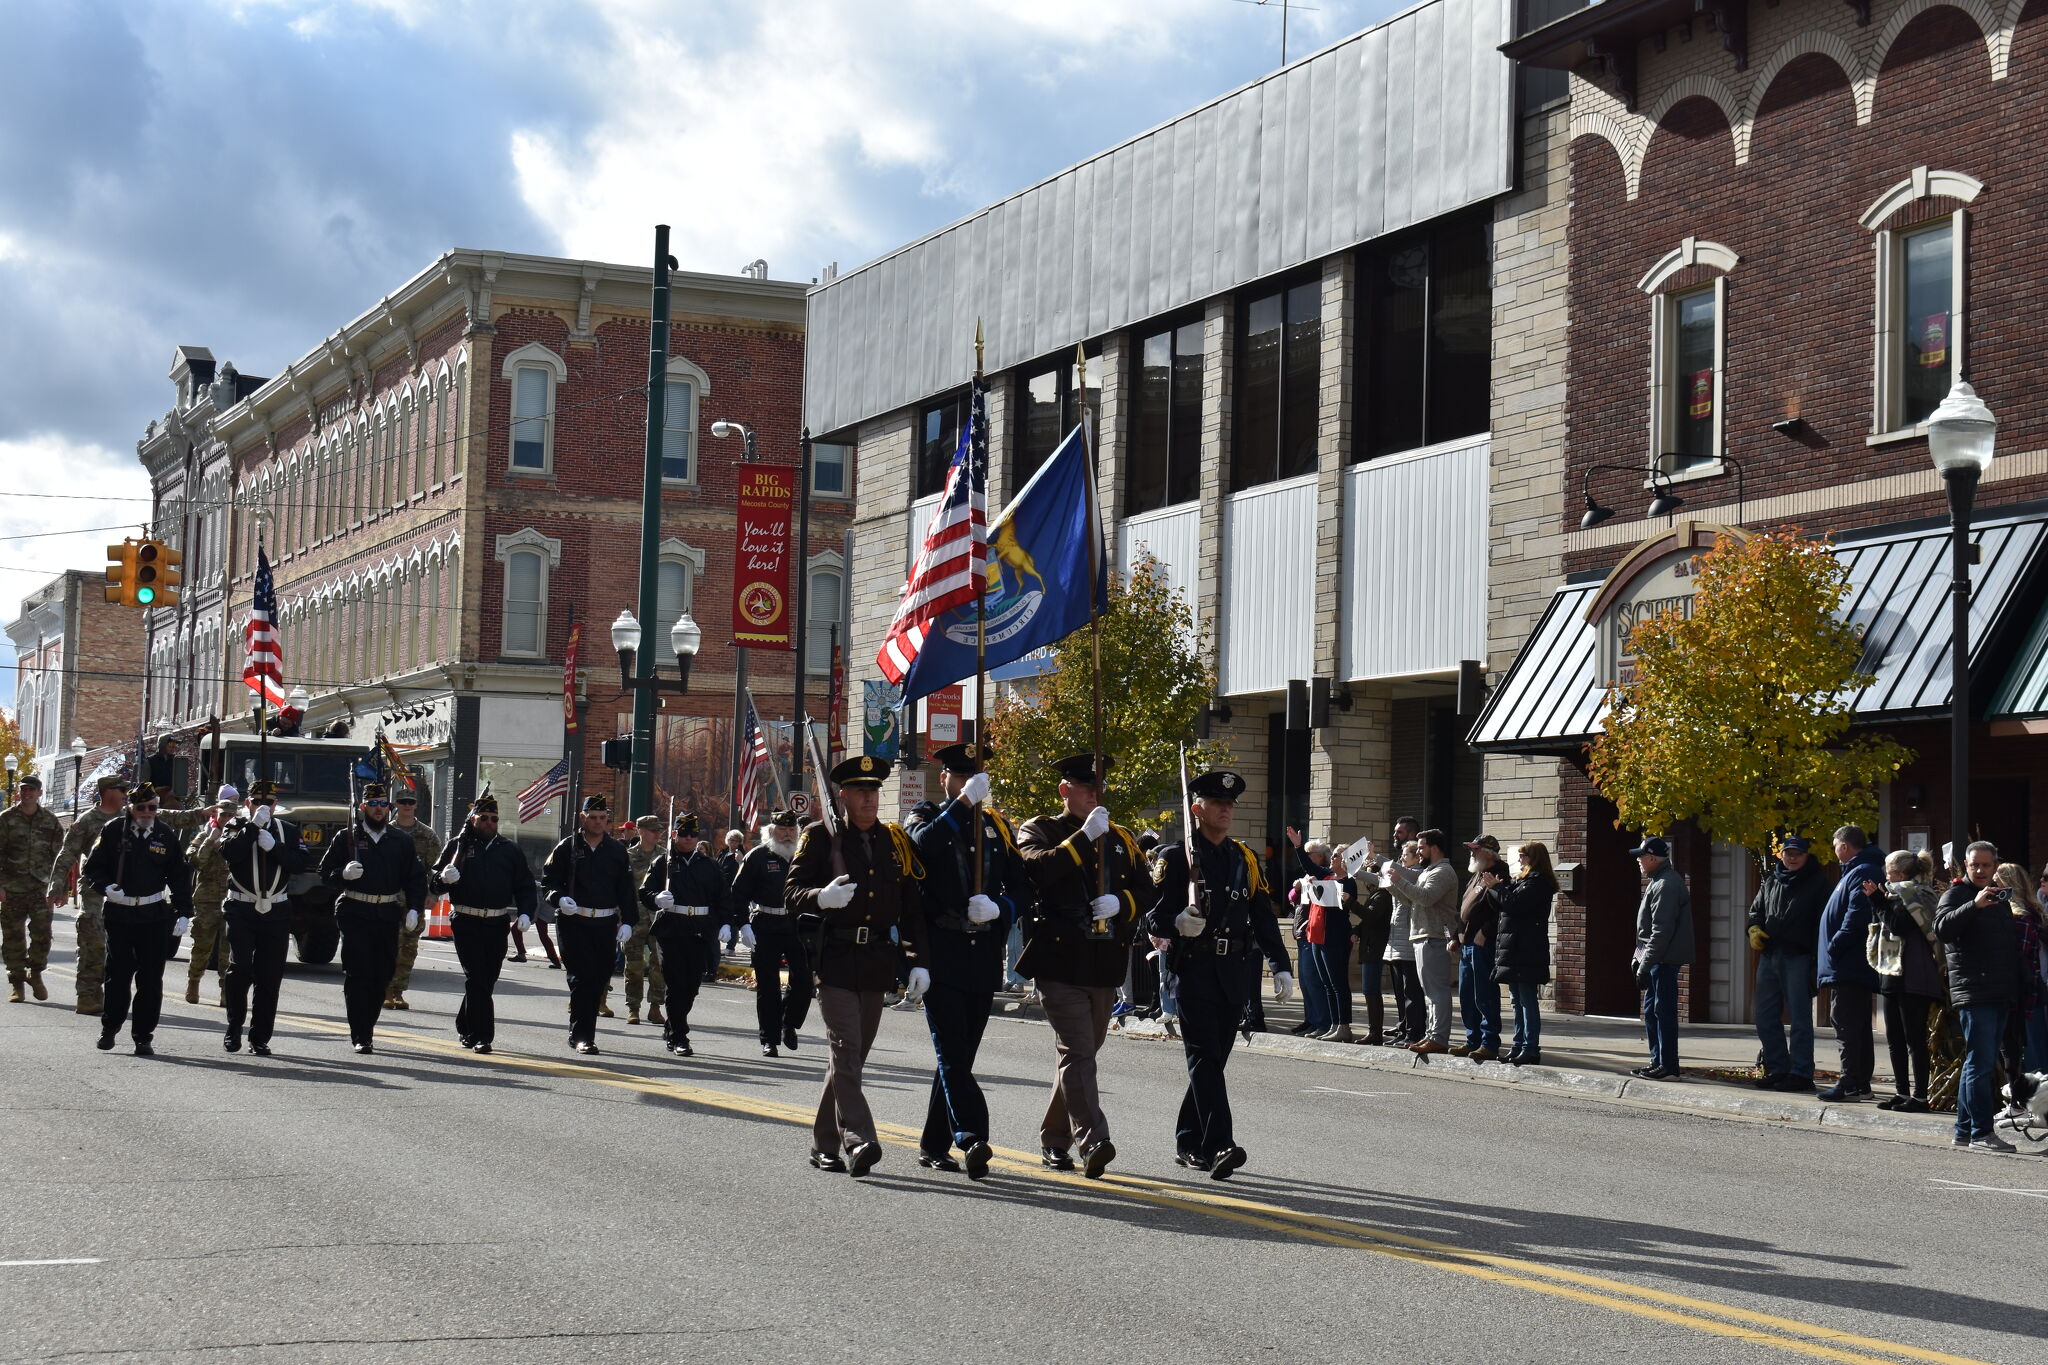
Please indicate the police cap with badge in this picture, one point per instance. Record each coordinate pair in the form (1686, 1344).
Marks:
(965, 760)
(1220, 785)
(1079, 769)
(864, 771)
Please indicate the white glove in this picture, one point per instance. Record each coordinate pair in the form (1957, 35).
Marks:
(260, 817)
(113, 891)
(975, 790)
(747, 936)
(1283, 985)
(265, 840)
(182, 927)
(1188, 924)
(625, 932)
(352, 872)
(450, 875)
(523, 923)
(664, 901)
(1103, 907)
(1097, 823)
(980, 909)
(838, 895)
(565, 903)
(412, 920)
(920, 982)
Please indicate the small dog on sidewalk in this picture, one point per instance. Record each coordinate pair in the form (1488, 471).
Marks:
(2029, 1095)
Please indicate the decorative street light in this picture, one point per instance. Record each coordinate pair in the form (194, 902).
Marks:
(13, 767)
(1960, 436)
(77, 769)
(685, 637)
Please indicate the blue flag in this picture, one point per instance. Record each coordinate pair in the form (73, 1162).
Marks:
(1038, 570)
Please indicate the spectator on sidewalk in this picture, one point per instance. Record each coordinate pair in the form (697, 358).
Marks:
(1372, 922)
(1410, 1019)
(1910, 977)
(1521, 945)
(1478, 996)
(2021, 1052)
(1663, 945)
(1431, 892)
(1981, 941)
(1784, 928)
(1843, 962)
(1325, 938)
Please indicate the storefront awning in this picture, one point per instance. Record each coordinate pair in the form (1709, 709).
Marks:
(1551, 698)
(2023, 695)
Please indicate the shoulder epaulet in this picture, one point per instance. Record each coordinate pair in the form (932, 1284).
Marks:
(1130, 842)
(906, 853)
(1007, 830)
(1255, 872)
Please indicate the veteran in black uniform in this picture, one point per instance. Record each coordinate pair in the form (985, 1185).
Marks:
(862, 881)
(588, 879)
(769, 930)
(966, 932)
(1076, 940)
(262, 852)
(490, 891)
(376, 869)
(137, 866)
(1210, 940)
(686, 892)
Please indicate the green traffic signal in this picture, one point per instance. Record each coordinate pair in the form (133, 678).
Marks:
(145, 595)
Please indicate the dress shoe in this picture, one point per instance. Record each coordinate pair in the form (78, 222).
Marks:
(937, 1163)
(862, 1159)
(789, 1039)
(106, 1042)
(1192, 1161)
(1483, 1054)
(15, 995)
(632, 1014)
(260, 1049)
(554, 964)
(1769, 1082)
(232, 1040)
(655, 1016)
(36, 986)
(191, 992)
(363, 1049)
(1096, 1159)
(1226, 1163)
(585, 1046)
(768, 1050)
(1794, 1085)
(1055, 1159)
(144, 1050)
(517, 957)
(480, 1048)
(681, 1047)
(976, 1159)
(825, 1161)
(1912, 1104)
(1460, 1050)
(1428, 1047)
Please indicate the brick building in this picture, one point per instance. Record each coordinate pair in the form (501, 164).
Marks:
(448, 479)
(1792, 227)
(77, 675)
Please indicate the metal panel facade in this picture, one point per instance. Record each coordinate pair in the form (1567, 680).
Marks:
(1173, 536)
(1391, 127)
(1269, 575)
(1414, 533)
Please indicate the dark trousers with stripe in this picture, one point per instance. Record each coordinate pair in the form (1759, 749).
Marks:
(256, 947)
(1214, 992)
(957, 1112)
(369, 954)
(138, 944)
(778, 1008)
(589, 947)
(480, 948)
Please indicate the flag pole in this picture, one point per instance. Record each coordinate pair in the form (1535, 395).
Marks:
(980, 624)
(262, 697)
(1094, 603)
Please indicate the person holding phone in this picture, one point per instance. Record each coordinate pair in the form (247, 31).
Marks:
(1982, 944)
(1905, 905)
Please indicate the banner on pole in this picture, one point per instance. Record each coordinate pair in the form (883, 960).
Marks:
(569, 678)
(761, 561)
(881, 735)
(942, 712)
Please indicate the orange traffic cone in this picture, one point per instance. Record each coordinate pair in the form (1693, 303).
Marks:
(440, 923)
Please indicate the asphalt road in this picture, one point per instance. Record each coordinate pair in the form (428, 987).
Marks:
(428, 1205)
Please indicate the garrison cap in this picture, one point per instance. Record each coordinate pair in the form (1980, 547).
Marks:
(376, 791)
(783, 819)
(143, 793)
(864, 771)
(262, 787)
(1080, 769)
(686, 824)
(484, 805)
(593, 805)
(1220, 785)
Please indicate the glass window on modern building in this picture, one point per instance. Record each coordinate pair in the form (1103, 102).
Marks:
(829, 464)
(1049, 399)
(1279, 369)
(1425, 354)
(938, 435)
(1166, 420)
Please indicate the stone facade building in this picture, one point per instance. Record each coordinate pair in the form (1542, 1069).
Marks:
(77, 675)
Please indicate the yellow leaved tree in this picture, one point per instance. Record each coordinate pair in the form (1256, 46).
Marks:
(1737, 717)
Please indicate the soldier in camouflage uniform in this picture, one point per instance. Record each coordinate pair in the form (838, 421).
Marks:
(29, 839)
(209, 885)
(91, 925)
(643, 957)
(405, 812)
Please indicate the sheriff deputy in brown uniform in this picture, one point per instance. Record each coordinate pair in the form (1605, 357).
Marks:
(862, 882)
(1075, 947)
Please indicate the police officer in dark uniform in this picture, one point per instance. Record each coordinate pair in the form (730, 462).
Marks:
(686, 892)
(967, 930)
(137, 866)
(490, 890)
(588, 879)
(376, 868)
(262, 852)
(862, 881)
(1075, 944)
(770, 932)
(1210, 931)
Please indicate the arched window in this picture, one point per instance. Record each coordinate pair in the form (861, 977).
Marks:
(675, 593)
(534, 373)
(528, 557)
(824, 604)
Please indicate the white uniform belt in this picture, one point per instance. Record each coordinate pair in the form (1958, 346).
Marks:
(483, 911)
(262, 903)
(685, 910)
(364, 897)
(589, 911)
(761, 909)
(158, 898)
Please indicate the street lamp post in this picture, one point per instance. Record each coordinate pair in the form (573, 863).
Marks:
(13, 767)
(685, 637)
(733, 757)
(1960, 436)
(640, 786)
(77, 769)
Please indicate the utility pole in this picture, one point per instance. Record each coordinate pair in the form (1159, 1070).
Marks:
(803, 587)
(640, 789)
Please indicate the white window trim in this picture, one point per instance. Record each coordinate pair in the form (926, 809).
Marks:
(682, 371)
(1887, 381)
(825, 561)
(526, 540)
(534, 356)
(1663, 353)
(844, 494)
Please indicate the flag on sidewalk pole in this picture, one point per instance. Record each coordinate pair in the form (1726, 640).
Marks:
(754, 765)
(950, 564)
(263, 665)
(533, 802)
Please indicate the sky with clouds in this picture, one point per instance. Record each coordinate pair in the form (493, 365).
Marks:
(249, 174)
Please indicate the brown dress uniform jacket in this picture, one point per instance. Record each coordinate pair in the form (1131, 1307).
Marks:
(883, 865)
(1060, 944)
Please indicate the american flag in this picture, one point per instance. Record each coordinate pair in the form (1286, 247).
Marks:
(263, 669)
(533, 802)
(753, 767)
(955, 553)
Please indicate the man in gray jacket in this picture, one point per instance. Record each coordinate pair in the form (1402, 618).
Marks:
(1663, 945)
(1431, 894)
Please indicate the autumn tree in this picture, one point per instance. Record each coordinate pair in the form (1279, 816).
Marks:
(1737, 716)
(1155, 687)
(11, 742)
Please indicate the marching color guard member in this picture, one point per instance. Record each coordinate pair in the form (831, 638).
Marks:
(769, 931)
(140, 873)
(260, 853)
(966, 932)
(863, 881)
(589, 882)
(1075, 945)
(1210, 941)
(382, 884)
(209, 887)
(685, 894)
(490, 890)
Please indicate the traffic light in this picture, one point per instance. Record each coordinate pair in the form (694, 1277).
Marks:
(170, 574)
(148, 573)
(120, 573)
(143, 573)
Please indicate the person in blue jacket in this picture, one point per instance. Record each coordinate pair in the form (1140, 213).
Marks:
(1842, 965)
